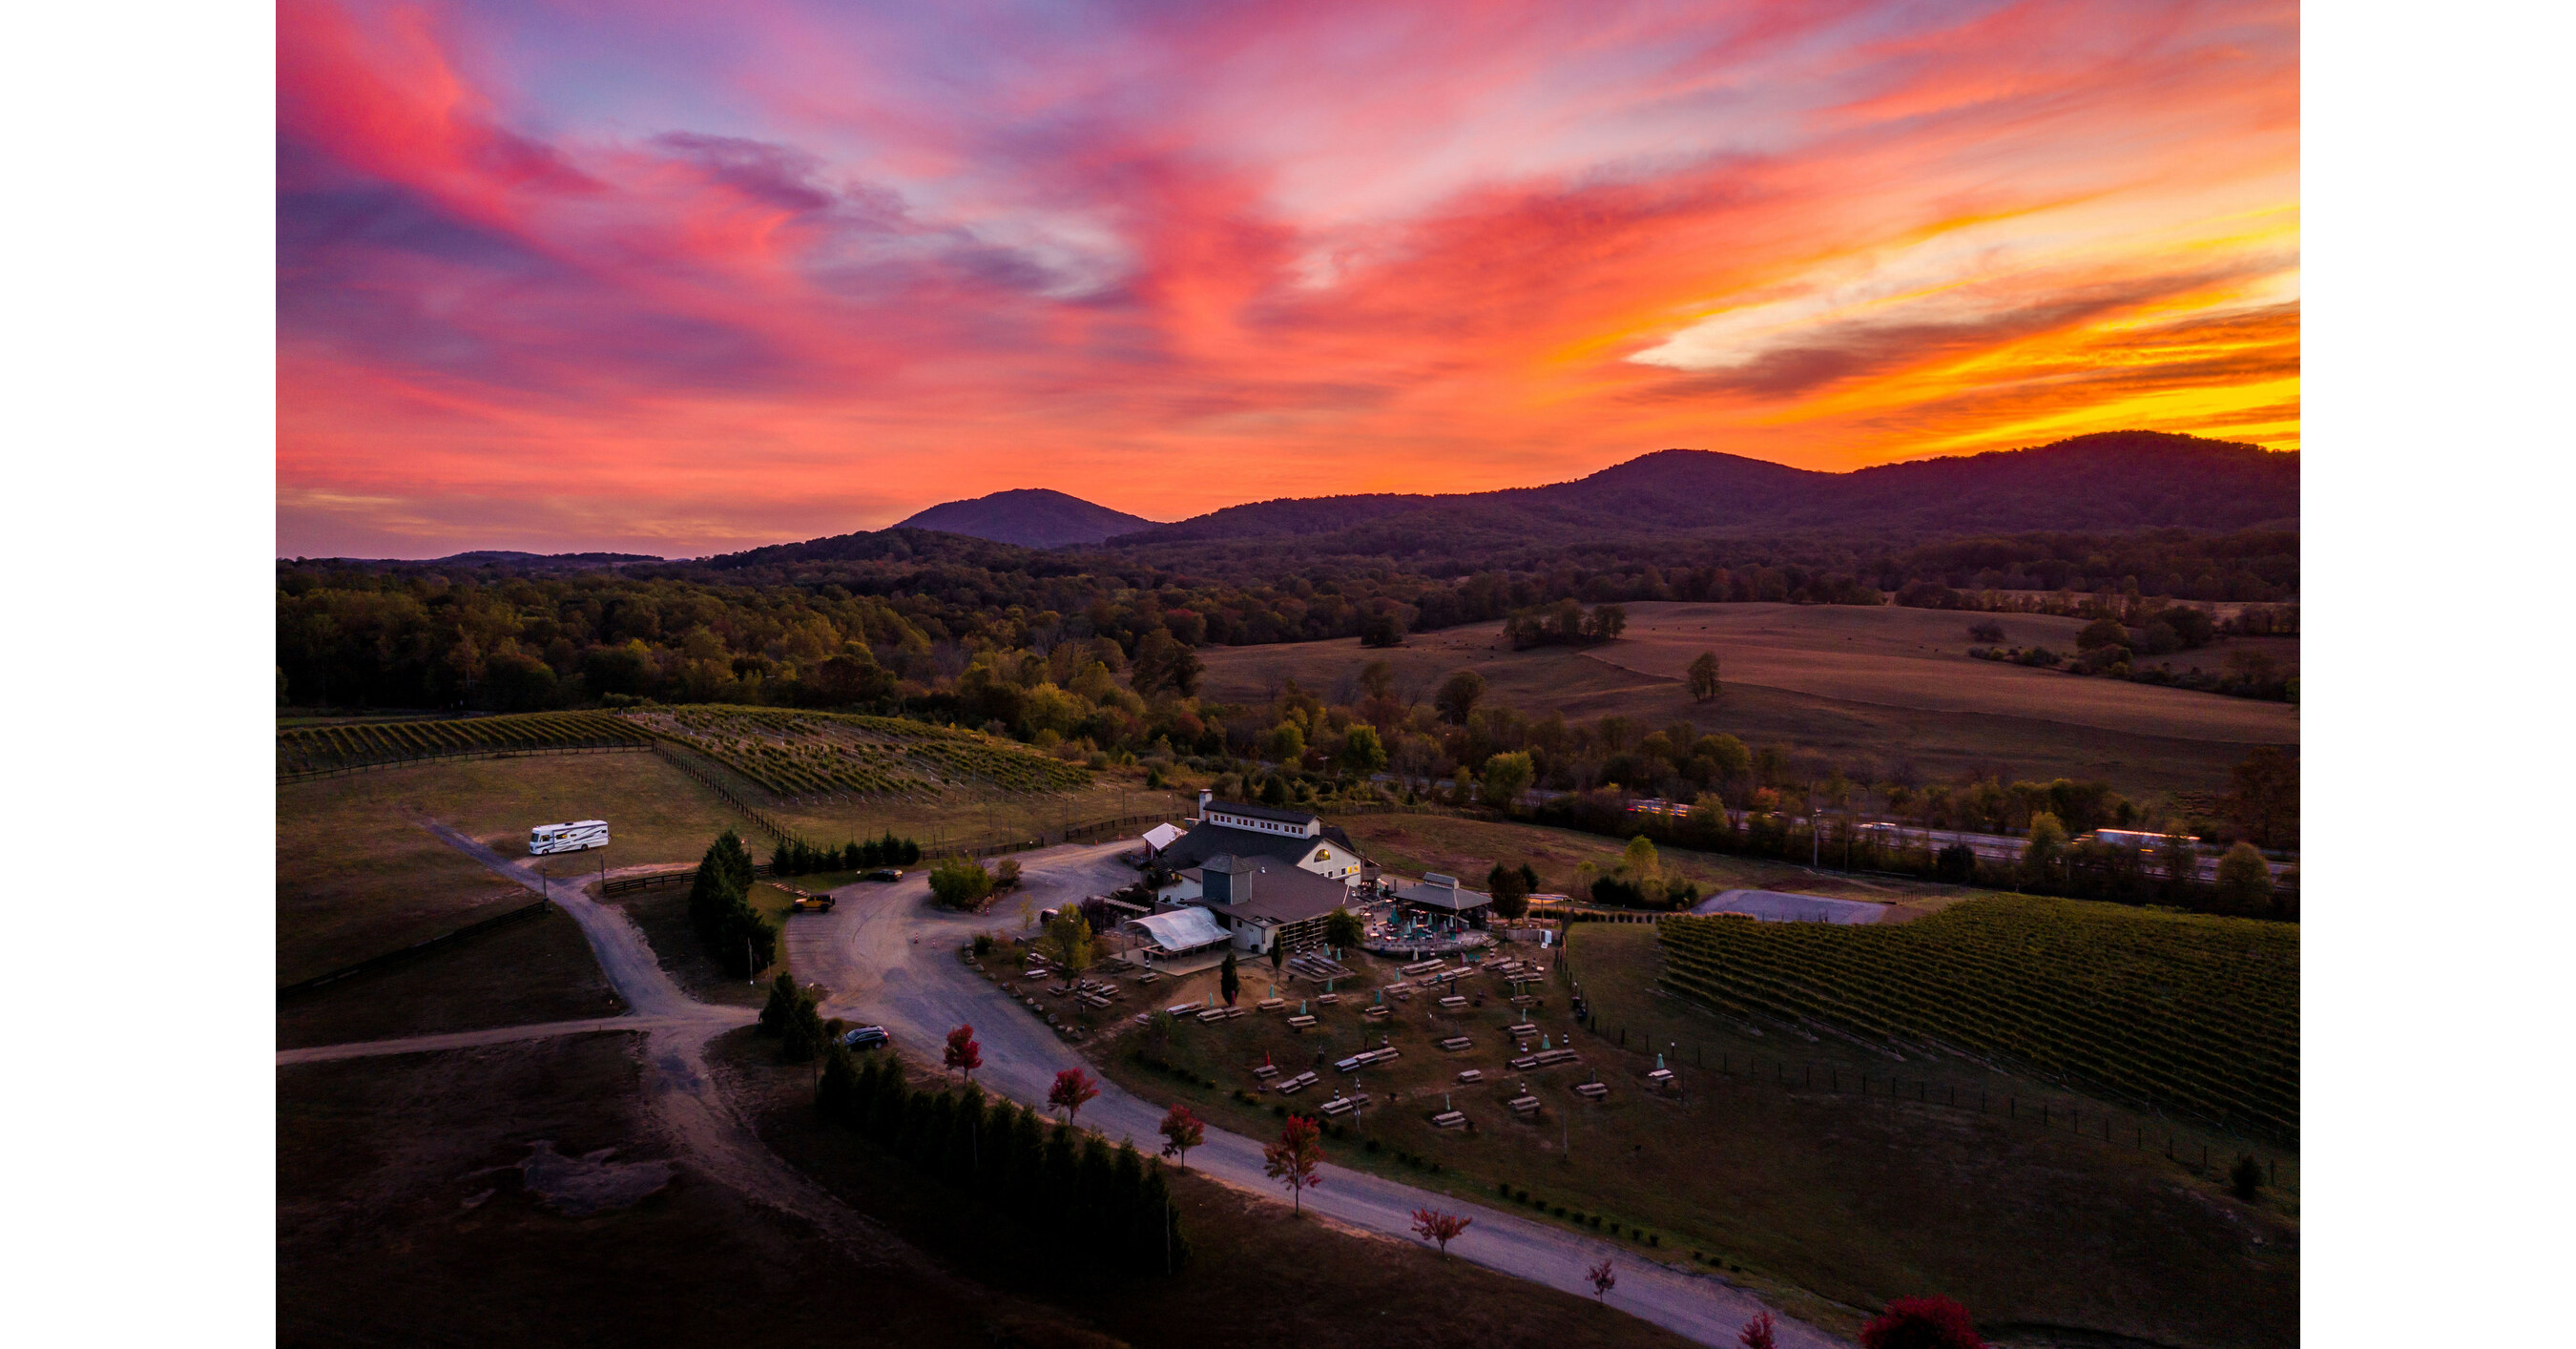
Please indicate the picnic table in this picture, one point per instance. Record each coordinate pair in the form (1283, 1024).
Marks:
(1523, 1000)
(1592, 1091)
(1472, 1075)
(1457, 1042)
(1522, 1105)
(1219, 1014)
(1271, 1004)
(1449, 1119)
(1553, 1056)
(1378, 1013)
(1295, 1084)
(1183, 1008)
(1343, 1105)
(1329, 999)
(1452, 1004)
(1524, 1063)
(1301, 1022)
(1266, 1071)
(1149, 976)
(1660, 1076)
(1524, 1028)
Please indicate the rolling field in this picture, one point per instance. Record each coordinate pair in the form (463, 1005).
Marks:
(2193, 1013)
(1862, 704)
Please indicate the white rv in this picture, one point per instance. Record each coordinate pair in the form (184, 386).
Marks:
(573, 837)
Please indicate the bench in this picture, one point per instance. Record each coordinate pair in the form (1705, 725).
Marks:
(1457, 1042)
(1522, 1105)
(1449, 1119)
(1592, 1091)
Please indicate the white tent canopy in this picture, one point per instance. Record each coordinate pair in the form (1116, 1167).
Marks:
(1180, 930)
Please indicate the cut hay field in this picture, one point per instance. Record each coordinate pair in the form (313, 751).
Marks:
(1865, 689)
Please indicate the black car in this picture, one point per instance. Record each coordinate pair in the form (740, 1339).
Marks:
(863, 1037)
(883, 874)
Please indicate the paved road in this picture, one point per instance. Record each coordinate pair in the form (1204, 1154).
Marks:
(889, 957)
(1779, 906)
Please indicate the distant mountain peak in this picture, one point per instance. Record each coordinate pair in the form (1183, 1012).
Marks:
(1031, 517)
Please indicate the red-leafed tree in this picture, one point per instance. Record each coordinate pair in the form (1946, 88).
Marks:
(1921, 1323)
(1292, 1161)
(1181, 1132)
(1435, 1226)
(1603, 1280)
(1758, 1333)
(1073, 1088)
(965, 1054)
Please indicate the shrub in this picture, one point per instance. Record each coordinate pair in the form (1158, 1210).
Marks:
(2246, 1179)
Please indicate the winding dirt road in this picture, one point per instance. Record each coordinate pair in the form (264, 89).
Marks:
(890, 957)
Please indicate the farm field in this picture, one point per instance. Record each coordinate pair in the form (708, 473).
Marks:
(534, 970)
(2190, 1012)
(1828, 1201)
(1868, 709)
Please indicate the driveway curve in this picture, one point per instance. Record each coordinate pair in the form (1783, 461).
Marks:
(889, 956)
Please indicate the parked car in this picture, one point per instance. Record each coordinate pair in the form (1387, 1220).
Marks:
(863, 1037)
(814, 903)
(884, 874)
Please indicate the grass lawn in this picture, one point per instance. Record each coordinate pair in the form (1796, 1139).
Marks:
(1829, 1202)
(1259, 1278)
(357, 875)
(536, 969)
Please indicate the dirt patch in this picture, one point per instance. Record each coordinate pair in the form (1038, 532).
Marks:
(590, 1183)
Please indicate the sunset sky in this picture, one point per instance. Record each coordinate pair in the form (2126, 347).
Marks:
(683, 278)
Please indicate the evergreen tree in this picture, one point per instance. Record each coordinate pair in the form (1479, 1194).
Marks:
(837, 1094)
(1228, 981)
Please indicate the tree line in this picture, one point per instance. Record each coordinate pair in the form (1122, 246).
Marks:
(1109, 1208)
(720, 912)
(795, 857)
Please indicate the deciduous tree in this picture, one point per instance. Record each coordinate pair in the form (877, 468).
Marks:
(1342, 927)
(2244, 879)
(1758, 1333)
(1441, 1228)
(1703, 677)
(1603, 1279)
(1294, 1160)
(1506, 777)
(1458, 696)
(1072, 1090)
(1181, 1132)
(964, 1053)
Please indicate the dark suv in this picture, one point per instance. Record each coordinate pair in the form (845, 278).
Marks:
(863, 1037)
